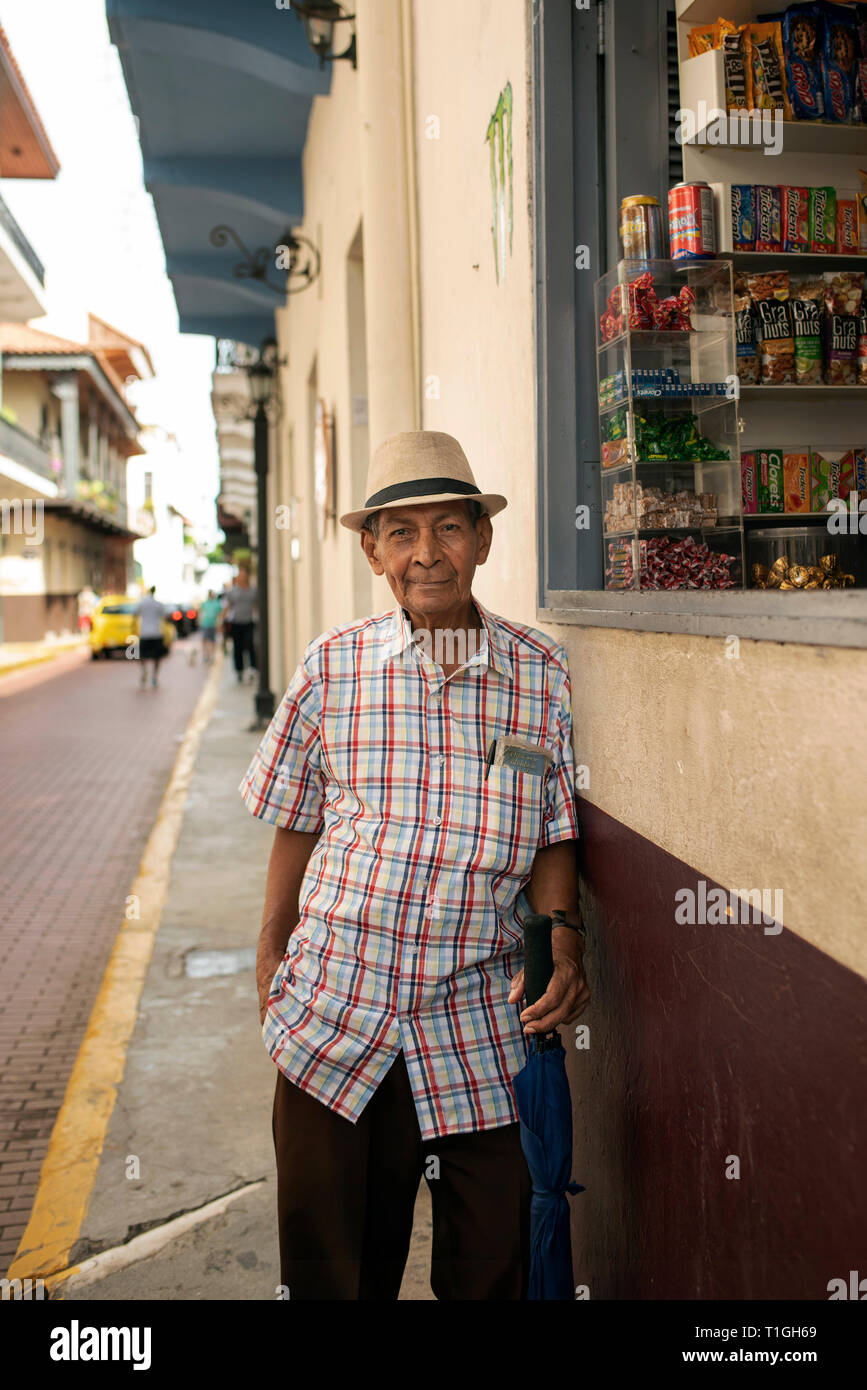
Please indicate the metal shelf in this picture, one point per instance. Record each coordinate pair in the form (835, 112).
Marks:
(793, 392)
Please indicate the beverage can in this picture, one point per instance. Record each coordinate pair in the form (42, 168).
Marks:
(691, 224)
(641, 228)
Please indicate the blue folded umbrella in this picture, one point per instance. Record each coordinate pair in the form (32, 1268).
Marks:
(545, 1113)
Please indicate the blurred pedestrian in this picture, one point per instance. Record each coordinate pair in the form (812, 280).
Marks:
(209, 618)
(151, 643)
(240, 607)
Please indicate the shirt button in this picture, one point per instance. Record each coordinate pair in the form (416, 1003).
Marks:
(441, 757)
(437, 820)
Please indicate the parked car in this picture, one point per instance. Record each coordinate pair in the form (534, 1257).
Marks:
(185, 617)
(114, 624)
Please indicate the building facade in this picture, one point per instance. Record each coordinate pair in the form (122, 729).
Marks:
(68, 422)
(461, 189)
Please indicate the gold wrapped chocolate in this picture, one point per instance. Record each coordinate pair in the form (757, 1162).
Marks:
(759, 572)
(828, 584)
(798, 576)
(828, 563)
(774, 579)
(812, 584)
(760, 584)
(784, 584)
(847, 580)
(815, 573)
(780, 565)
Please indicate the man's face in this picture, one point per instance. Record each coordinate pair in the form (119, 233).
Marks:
(428, 554)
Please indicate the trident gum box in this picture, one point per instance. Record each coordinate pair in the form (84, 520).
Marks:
(796, 481)
(749, 491)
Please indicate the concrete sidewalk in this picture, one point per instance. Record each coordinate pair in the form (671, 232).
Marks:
(17, 656)
(192, 1119)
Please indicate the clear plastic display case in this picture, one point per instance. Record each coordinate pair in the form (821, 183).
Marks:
(668, 422)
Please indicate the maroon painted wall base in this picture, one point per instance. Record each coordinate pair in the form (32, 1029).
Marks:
(708, 1042)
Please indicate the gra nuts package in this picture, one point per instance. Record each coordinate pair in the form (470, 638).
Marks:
(746, 335)
(808, 306)
(770, 293)
(843, 296)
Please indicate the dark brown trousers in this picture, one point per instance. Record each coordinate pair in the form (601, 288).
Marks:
(346, 1194)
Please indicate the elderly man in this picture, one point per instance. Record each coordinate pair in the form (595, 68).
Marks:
(389, 961)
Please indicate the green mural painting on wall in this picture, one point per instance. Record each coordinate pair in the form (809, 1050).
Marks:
(499, 137)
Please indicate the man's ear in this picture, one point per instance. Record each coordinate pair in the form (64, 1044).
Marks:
(368, 545)
(485, 532)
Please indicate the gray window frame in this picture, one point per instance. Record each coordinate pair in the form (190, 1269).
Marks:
(586, 146)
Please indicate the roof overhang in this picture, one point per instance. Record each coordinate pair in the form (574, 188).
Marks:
(222, 93)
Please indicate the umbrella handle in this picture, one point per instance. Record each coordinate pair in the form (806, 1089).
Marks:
(538, 957)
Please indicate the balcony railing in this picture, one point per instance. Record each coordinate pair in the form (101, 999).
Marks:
(23, 448)
(17, 236)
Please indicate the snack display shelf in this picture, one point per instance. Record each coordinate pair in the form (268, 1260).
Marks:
(729, 528)
(649, 338)
(706, 11)
(663, 464)
(798, 137)
(792, 518)
(794, 392)
(694, 400)
(782, 260)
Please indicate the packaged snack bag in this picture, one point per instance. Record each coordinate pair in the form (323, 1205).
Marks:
(808, 304)
(862, 205)
(843, 295)
(746, 335)
(766, 79)
(703, 38)
(862, 337)
(796, 481)
(734, 59)
(796, 219)
(847, 227)
(839, 53)
(769, 217)
(769, 472)
(770, 292)
(823, 220)
(861, 65)
(801, 33)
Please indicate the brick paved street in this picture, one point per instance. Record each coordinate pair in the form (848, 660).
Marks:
(86, 758)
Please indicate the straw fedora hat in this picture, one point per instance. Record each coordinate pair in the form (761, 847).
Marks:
(420, 466)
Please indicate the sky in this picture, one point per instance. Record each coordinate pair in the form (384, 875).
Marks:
(95, 231)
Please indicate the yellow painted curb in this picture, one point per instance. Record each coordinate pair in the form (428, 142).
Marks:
(71, 1163)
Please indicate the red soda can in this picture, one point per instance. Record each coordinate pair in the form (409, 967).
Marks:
(691, 224)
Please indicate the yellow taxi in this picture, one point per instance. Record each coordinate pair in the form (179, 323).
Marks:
(114, 627)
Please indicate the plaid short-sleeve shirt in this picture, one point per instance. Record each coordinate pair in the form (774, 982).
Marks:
(410, 926)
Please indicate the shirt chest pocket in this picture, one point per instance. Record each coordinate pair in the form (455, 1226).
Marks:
(510, 808)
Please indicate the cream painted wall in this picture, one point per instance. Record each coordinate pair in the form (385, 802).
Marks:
(746, 769)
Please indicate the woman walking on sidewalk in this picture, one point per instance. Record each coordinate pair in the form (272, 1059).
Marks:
(151, 644)
(240, 610)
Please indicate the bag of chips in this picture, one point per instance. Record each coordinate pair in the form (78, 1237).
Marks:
(843, 296)
(801, 38)
(839, 52)
(746, 334)
(770, 292)
(766, 71)
(808, 305)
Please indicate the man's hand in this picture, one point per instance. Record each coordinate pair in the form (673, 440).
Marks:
(553, 883)
(289, 855)
(566, 997)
